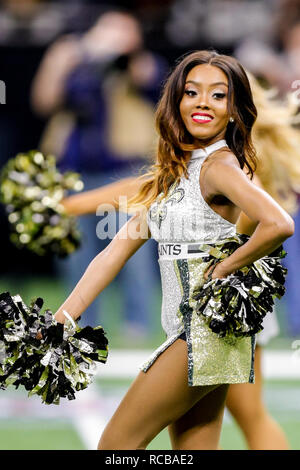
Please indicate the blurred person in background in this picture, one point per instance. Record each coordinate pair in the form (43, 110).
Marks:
(99, 90)
(275, 58)
(277, 143)
(277, 63)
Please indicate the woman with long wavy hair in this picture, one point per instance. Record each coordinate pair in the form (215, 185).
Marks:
(192, 198)
(277, 144)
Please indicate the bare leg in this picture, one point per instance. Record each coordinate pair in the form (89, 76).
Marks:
(201, 424)
(245, 403)
(155, 400)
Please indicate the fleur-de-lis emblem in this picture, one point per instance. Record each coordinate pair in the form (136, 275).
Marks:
(158, 212)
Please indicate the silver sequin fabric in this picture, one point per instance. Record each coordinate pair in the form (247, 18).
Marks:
(183, 216)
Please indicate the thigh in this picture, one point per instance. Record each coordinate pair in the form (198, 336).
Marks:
(246, 400)
(200, 427)
(155, 399)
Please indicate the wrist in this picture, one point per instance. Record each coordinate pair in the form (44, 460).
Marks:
(60, 317)
(220, 270)
(68, 205)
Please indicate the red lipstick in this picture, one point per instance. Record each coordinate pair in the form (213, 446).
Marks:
(201, 120)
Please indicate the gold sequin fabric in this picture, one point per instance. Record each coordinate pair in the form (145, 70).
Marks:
(211, 360)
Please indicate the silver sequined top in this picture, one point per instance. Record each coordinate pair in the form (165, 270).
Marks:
(183, 215)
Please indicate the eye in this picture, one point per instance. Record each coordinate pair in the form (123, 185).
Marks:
(219, 95)
(190, 92)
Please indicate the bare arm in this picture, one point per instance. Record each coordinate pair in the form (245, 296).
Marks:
(47, 93)
(105, 266)
(244, 224)
(88, 201)
(274, 225)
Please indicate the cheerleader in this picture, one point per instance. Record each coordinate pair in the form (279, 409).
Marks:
(194, 195)
(278, 172)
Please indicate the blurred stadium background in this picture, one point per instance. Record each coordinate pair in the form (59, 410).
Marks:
(265, 36)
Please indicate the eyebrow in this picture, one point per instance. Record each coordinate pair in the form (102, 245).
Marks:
(212, 84)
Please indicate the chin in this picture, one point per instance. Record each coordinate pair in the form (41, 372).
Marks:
(204, 136)
(208, 135)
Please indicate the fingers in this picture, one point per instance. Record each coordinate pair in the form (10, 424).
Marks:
(208, 271)
(39, 335)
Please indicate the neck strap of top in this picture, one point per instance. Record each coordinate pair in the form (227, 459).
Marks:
(209, 149)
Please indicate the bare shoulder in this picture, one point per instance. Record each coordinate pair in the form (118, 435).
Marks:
(221, 160)
(223, 172)
(224, 159)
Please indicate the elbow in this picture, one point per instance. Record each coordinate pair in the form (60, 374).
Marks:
(286, 228)
(290, 229)
(280, 229)
(44, 100)
(42, 107)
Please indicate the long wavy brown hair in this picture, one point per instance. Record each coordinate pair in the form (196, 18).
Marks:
(175, 143)
(277, 143)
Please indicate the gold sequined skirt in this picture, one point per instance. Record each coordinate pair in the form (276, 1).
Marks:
(211, 359)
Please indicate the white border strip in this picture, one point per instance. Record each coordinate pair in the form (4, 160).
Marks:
(279, 364)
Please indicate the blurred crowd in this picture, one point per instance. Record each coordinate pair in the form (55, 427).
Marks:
(82, 81)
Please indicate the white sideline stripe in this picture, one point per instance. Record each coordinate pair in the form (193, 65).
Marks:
(88, 422)
(280, 364)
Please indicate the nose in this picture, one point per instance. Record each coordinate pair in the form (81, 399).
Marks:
(203, 102)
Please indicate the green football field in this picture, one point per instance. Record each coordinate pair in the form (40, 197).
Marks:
(28, 424)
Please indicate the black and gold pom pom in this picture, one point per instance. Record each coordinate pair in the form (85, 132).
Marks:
(32, 188)
(237, 304)
(59, 364)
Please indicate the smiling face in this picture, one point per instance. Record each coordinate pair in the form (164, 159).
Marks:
(203, 107)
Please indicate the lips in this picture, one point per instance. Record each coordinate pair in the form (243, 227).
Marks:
(201, 118)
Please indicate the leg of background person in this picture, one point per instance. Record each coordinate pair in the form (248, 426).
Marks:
(159, 398)
(292, 296)
(245, 403)
(202, 423)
